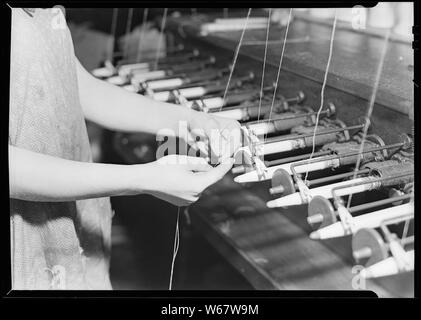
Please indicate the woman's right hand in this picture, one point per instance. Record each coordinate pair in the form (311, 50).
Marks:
(179, 179)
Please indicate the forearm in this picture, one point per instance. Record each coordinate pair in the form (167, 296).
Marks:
(38, 177)
(117, 109)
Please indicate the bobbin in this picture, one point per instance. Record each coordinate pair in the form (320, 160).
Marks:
(368, 247)
(320, 213)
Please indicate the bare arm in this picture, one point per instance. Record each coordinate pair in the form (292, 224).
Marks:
(38, 177)
(117, 109)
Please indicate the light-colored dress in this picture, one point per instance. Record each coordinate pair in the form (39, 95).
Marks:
(55, 245)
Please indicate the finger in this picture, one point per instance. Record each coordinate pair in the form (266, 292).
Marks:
(195, 152)
(213, 135)
(198, 164)
(218, 172)
(200, 145)
(203, 148)
(199, 132)
(215, 141)
(230, 145)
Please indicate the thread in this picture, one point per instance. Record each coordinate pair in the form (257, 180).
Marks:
(264, 65)
(371, 107)
(322, 92)
(279, 68)
(275, 42)
(175, 248)
(235, 59)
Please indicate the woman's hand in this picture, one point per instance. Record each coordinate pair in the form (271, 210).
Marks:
(178, 179)
(219, 137)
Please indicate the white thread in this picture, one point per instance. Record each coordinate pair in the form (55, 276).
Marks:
(158, 50)
(128, 28)
(275, 42)
(279, 68)
(370, 107)
(322, 92)
(175, 250)
(235, 59)
(264, 65)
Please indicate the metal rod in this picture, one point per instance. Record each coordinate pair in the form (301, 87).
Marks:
(379, 203)
(280, 189)
(240, 106)
(300, 136)
(334, 190)
(295, 158)
(298, 98)
(298, 115)
(336, 177)
(407, 240)
(251, 93)
(349, 154)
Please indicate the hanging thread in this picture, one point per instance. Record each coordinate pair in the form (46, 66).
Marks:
(175, 248)
(279, 68)
(371, 107)
(235, 59)
(264, 65)
(322, 92)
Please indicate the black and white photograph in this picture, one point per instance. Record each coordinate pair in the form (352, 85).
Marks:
(211, 149)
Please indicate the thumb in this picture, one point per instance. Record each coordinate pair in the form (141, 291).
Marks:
(218, 172)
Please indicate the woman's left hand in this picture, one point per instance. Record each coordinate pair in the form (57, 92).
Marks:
(219, 138)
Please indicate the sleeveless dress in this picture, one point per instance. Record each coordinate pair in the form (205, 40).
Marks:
(54, 245)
